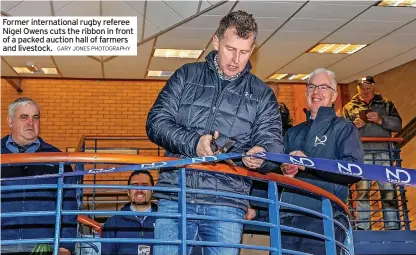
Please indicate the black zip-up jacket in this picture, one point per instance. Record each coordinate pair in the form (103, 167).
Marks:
(192, 104)
(119, 226)
(13, 228)
(391, 120)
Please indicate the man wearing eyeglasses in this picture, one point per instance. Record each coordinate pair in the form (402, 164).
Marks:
(322, 135)
(374, 116)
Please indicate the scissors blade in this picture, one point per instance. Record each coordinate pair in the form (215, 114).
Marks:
(227, 146)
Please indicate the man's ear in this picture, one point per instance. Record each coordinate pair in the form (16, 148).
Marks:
(9, 122)
(252, 48)
(334, 97)
(216, 42)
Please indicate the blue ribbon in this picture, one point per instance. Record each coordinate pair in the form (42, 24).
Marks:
(147, 166)
(387, 174)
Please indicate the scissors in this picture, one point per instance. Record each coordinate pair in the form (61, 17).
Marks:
(224, 149)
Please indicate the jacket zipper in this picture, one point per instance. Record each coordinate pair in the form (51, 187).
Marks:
(141, 226)
(210, 121)
(211, 116)
(195, 174)
(24, 210)
(214, 102)
(213, 112)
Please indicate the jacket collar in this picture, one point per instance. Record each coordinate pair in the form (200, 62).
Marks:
(324, 114)
(377, 98)
(126, 207)
(43, 144)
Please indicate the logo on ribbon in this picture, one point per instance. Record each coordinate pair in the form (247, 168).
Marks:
(302, 161)
(398, 176)
(350, 169)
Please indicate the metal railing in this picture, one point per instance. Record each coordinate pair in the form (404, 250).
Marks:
(89, 143)
(274, 181)
(103, 143)
(399, 201)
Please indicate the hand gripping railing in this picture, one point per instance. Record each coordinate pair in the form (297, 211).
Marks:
(274, 206)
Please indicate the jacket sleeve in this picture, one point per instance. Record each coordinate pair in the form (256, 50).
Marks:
(349, 145)
(346, 113)
(393, 121)
(286, 147)
(69, 222)
(161, 126)
(348, 148)
(267, 129)
(109, 232)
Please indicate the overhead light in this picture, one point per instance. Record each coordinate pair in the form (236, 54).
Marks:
(32, 69)
(325, 48)
(159, 73)
(22, 69)
(300, 76)
(174, 53)
(398, 3)
(49, 70)
(277, 76)
(335, 48)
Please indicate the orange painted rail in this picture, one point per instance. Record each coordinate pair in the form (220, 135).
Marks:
(87, 221)
(382, 139)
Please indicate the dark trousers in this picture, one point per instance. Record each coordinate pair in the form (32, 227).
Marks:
(297, 242)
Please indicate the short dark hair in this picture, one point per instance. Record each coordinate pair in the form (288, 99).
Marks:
(243, 23)
(142, 172)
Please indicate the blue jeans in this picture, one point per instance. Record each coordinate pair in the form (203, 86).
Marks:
(387, 193)
(205, 230)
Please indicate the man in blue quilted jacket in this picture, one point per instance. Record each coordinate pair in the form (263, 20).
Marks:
(219, 96)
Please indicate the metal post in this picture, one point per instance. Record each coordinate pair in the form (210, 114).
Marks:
(80, 180)
(182, 211)
(351, 201)
(329, 231)
(94, 181)
(274, 218)
(59, 196)
(403, 196)
(350, 241)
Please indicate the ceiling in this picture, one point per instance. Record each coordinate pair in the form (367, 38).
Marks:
(287, 29)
